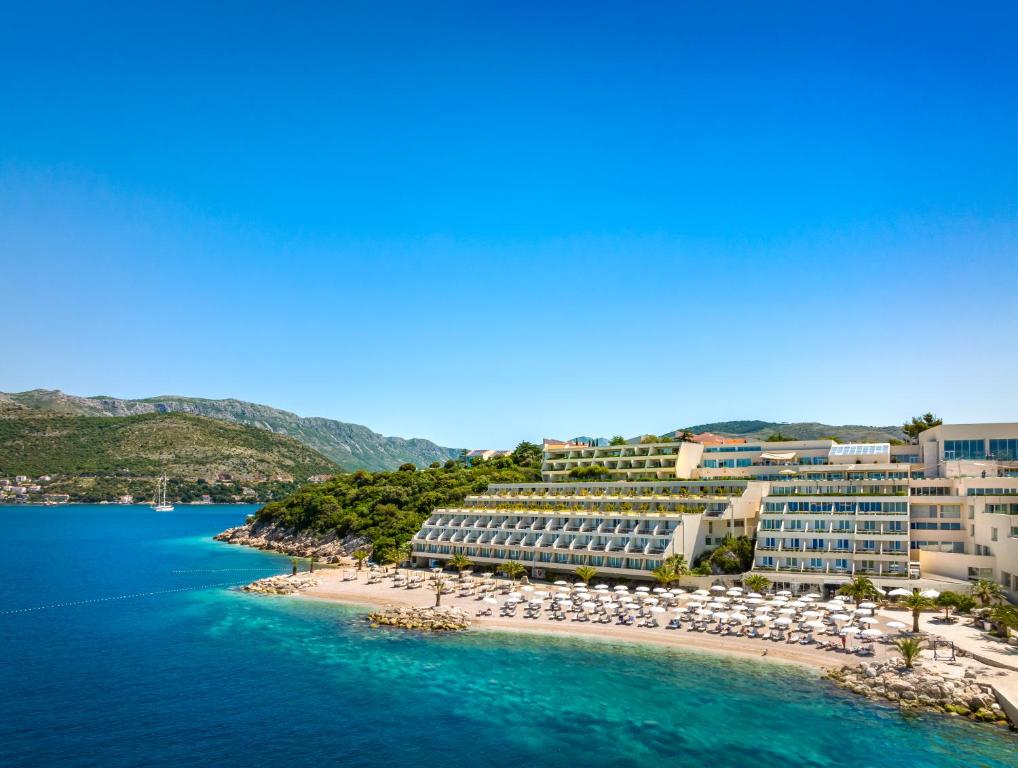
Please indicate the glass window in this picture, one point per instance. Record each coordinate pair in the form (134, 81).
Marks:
(964, 449)
(1004, 450)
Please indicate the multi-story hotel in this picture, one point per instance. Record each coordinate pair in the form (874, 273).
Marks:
(942, 508)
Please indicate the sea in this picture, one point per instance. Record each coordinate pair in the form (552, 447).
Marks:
(125, 641)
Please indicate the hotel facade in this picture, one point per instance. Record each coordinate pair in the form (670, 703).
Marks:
(943, 508)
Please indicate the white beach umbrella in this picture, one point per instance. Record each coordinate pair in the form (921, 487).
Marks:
(588, 605)
(541, 593)
(678, 609)
(868, 620)
(898, 592)
(527, 588)
(561, 583)
(895, 625)
(515, 595)
(702, 592)
(815, 624)
(533, 602)
(564, 590)
(871, 633)
(657, 609)
(717, 588)
(651, 600)
(755, 601)
(734, 593)
(755, 595)
(621, 588)
(809, 598)
(643, 589)
(719, 616)
(632, 606)
(851, 631)
(659, 590)
(931, 594)
(783, 592)
(840, 617)
(739, 618)
(811, 614)
(490, 601)
(782, 621)
(601, 588)
(761, 620)
(678, 592)
(868, 605)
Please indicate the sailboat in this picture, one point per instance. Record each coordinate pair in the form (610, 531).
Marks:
(160, 504)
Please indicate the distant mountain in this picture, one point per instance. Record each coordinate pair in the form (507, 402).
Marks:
(34, 443)
(801, 430)
(351, 446)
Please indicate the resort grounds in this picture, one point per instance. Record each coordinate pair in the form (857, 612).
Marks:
(805, 629)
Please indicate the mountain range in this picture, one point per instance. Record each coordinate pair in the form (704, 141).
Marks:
(351, 446)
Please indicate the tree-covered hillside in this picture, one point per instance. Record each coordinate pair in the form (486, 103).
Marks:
(389, 507)
(191, 447)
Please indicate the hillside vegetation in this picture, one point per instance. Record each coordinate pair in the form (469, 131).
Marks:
(803, 430)
(191, 447)
(389, 507)
(351, 446)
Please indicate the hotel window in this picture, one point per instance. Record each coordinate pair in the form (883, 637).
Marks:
(794, 525)
(710, 463)
(816, 562)
(993, 534)
(817, 543)
(964, 449)
(896, 525)
(950, 526)
(842, 544)
(841, 564)
(770, 542)
(791, 562)
(767, 562)
(793, 543)
(1004, 450)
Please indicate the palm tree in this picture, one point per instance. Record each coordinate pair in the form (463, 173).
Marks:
(859, 588)
(917, 603)
(360, 555)
(987, 592)
(909, 648)
(440, 588)
(665, 575)
(678, 565)
(512, 569)
(1005, 617)
(586, 573)
(460, 562)
(756, 582)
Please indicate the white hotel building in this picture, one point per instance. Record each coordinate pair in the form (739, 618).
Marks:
(944, 508)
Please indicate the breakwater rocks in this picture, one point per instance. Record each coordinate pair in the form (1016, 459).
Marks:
(922, 689)
(328, 548)
(425, 619)
(282, 585)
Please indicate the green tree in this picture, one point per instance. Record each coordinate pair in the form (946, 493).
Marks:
(686, 436)
(617, 440)
(403, 552)
(512, 569)
(360, 555)
(1004, 618)
(777, 437)
(756, 582)
(590, 472)
(909, 648)
(859, 588)
(585, 573)
(920, 424)
(460, 562)
(987, 592)
(665, 575)
(439, 587)
(651, 439)
(954, 601)
(408, 467)
(917, 603)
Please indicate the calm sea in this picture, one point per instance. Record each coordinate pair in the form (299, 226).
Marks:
(122, 643)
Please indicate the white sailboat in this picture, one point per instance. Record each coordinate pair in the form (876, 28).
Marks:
(160, 504)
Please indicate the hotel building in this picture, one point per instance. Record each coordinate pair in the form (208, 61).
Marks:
(942, 508)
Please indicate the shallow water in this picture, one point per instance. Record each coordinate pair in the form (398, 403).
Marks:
(179, 669)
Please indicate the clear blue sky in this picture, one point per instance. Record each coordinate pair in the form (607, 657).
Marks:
(484, 222)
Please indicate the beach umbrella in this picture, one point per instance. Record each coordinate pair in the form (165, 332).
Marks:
(678, 609)
(871, 633)
(678, 592)
(868, 605)
(755, 595)
(811, 614)
(755, 601)
(809, 598)
(564, 590)
(643, 589)
(931, 594)
(734, 593)
(657, 609)
(632, 606)
(527, 588)
(540, 593)
(490, 601)
(839, 617)
(899, 592)
(782, 621)
(659, 590)
(869, 620)
(702, 592)
(851, 631)
(651, 600)
(783, 593)
(896, 625)
(561, 583)
(601, 586)
(815, 624)
(515, 595)
(533, 602)
(717, 588)
(588, 604)
(621, 588)
(761, 620)
(738, 618)
(719, 616)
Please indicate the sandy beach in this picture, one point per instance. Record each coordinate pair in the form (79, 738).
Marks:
(334, 586)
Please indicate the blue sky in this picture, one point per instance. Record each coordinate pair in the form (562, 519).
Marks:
(480, 222)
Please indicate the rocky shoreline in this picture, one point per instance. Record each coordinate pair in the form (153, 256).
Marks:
(328, 548)
(920, 689)
(283, 585)
(424, 619)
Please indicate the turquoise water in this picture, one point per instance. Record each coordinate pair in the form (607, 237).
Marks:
(133, 658)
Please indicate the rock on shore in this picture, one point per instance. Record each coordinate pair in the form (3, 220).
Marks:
(922, 689)
(282, 585)
(427, 619)
(328, 548)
